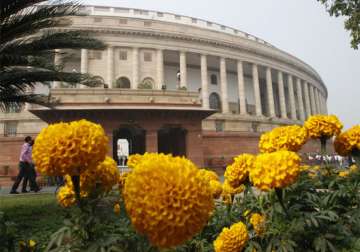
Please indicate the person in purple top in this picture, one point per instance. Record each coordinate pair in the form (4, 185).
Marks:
(25, 166)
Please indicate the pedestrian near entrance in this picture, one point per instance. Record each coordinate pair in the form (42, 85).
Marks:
(25, 164)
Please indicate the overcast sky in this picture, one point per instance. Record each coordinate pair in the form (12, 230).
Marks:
(300, 27)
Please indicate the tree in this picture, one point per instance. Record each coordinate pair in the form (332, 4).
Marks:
(349, 9)
(30, 31)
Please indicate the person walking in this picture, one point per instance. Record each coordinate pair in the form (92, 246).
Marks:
(24, 167)
(32, 173)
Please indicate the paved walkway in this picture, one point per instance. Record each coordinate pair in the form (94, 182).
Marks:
(4, 191)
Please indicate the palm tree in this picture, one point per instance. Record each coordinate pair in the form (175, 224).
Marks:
(30, 33)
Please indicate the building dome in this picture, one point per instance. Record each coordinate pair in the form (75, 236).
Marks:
(180, 85)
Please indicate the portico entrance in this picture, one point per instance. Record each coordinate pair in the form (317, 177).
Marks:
(135, 137)
(172, 140)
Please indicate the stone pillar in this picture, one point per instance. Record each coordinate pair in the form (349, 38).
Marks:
(300, 99)
(110, 66)
(84, 68)
(204, 82)
(317, 98)
(292, 98)
(307, 99)
(241, 87)
(255, 76)
(160, 68)
(312, 99)
(84, 61)
(135, 70)
(183, 69)
(223, 80)
(151, 140)
(270, 93)
(325, 106)
(282, 95)
(57, 62)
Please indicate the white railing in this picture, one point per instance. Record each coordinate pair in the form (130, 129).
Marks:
(168, 17)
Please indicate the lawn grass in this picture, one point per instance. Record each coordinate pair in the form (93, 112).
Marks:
(36, 216)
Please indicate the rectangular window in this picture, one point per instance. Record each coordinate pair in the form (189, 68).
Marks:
(223, 27)
(194, 20)
(177, 17)
(219, 126)
(160, 14)
(209, 23)
(95, 54)
(147, 56)
(123, 55)
(10, 129)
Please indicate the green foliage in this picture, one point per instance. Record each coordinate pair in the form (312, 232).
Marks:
(351, 10)
(7, 234)
(29, 35)
(33, 217)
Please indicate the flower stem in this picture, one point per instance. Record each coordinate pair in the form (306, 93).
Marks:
(279, 194)
(323, 141)
(76, 184)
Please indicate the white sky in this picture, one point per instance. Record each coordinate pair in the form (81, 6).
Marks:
(300, 27)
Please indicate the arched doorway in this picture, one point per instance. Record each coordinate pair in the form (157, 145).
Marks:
(123, 82)
(172, 140)
(215, 101)
(134, 135)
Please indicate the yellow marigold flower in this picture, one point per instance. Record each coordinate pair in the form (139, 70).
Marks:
(232, 239)
(316, 168)
(117, 208)
(323, 126)
(69, 148)
(133, 160)
(66, 196)
(275, 170)
(167, 199)
(347, 141)
(209, 175)
(258, 222)
(122, 179)
(353, 168)
(290, 138)
(216, 188)
(312, 174)
(237, 172)
(228, 192)
(32, 244)
(228, 189)
(304, 167)
(105, 175)
(344, 174)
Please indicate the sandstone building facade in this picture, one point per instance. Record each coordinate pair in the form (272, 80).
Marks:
(175, 84)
